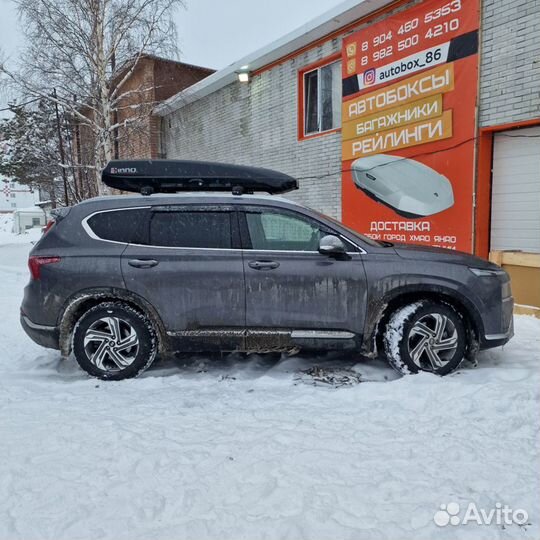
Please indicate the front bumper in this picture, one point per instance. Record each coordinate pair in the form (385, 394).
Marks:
(507, 314)
(46, 336)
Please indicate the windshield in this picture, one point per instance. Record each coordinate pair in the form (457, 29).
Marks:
(354, 233)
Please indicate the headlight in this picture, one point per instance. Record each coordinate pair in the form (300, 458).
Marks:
(486, 272)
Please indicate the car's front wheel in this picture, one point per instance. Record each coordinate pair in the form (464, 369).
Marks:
(425, 336)
(113, 341)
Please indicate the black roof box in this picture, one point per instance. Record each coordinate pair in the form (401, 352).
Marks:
(171, 176)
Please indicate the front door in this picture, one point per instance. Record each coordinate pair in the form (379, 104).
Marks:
(190, 270)
(290, 285)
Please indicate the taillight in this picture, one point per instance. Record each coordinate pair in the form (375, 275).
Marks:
(35, 264)
(49, 225)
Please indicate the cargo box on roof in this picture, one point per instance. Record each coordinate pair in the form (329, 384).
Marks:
(171, 176)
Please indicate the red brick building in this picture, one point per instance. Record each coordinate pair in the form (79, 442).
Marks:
(153, 81)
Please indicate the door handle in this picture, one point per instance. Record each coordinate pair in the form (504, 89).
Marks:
(263, 265)
(142, 263)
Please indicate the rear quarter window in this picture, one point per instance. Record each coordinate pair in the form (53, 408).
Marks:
(126, 226)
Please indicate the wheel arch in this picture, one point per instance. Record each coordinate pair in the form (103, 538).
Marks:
(81, 302)
(409, 294)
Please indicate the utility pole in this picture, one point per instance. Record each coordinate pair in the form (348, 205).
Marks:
(77, 174)
(61, 147)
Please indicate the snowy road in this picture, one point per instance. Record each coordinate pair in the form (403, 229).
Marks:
(242, 449)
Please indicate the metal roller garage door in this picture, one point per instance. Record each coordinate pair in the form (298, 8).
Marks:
(515, 205)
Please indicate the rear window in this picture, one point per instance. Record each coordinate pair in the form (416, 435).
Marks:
(127, 226)
(200, 229)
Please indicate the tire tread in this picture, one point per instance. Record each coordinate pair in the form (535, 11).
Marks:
(396, 329)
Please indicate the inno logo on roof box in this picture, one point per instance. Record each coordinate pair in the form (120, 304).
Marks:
(124, 170)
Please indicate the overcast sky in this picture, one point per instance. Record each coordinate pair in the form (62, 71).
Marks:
(212, 33)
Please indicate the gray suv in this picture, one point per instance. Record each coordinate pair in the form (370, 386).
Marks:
(119, 279)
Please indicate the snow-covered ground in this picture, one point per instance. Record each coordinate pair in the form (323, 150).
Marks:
(253, 448)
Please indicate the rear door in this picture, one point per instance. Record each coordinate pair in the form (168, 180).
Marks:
(190, 269)
(290, 285)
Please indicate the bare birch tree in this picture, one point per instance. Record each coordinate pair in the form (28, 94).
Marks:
(81, 54)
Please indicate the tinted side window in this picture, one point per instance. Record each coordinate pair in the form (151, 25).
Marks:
(283, 232)
(191, 229)
(120, 225)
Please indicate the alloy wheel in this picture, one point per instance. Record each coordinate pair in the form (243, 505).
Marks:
(432, 341)
(111, 344)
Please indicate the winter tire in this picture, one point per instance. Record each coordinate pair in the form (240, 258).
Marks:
(425, 336)
(113, 341)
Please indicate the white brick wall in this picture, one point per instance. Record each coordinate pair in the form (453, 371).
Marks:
(256, 124)
(510, 66)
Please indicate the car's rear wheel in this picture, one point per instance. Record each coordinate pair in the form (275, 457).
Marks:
(113, 341)
(425, 336)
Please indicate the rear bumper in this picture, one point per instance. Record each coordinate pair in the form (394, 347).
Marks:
(46, 336)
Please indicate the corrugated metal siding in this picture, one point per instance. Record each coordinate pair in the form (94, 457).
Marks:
(515, 214)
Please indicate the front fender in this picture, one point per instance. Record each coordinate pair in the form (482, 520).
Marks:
(410, 292)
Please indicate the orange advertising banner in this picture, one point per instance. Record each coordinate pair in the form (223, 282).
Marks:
(409, 124)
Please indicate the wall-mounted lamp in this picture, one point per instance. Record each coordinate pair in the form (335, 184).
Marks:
(243, 74)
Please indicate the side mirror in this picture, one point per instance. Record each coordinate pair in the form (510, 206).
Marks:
(331, 245)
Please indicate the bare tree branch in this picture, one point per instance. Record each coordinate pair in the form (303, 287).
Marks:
(88, 52)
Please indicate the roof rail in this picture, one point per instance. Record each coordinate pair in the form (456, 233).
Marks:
(171, 176)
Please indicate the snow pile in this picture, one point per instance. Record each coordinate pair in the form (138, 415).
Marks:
(6, 223)
(8, 237)
(204, 447)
